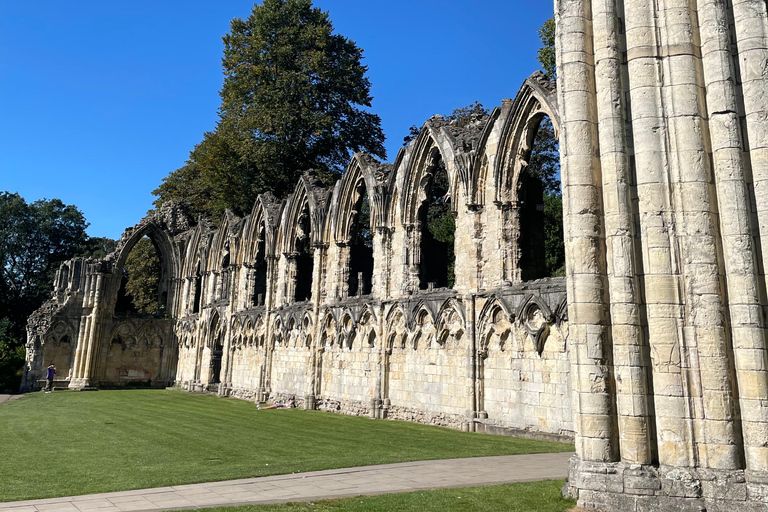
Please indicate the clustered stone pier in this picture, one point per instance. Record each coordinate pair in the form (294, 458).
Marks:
(664, 152)
(657, 363)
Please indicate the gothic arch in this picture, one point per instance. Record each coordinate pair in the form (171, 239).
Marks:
(359, 173)
(170, 262)
(535, 316)
(449, 307)
(260, 227)
(519, 121)
(225, 243)
(416, 168)
(495, 318)
(308, 199)
(417, 312)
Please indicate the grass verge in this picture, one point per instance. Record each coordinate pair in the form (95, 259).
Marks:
(70, 443)
(524, 497)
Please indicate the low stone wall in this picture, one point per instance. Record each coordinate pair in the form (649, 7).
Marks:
(457, 422)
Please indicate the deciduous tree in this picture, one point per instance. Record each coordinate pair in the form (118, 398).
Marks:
(544, 162)
(547, 55)
(292, 101)
(35, 238)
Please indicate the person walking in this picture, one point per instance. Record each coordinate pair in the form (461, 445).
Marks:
(49, 378)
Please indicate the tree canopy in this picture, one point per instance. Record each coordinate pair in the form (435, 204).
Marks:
(291, 102)
(139, 291)
(35, 238)
(544, 162)
(546, 55)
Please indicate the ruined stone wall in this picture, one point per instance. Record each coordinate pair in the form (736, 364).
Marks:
(268, 306)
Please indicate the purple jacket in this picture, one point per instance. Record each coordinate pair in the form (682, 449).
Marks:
(51, 373)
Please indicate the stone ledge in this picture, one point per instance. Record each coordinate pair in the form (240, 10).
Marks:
(488, 427)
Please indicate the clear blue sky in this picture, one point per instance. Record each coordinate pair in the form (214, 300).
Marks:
(100, 100)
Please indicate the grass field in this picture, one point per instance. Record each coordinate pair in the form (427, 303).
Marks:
(68, 443)
(526, 497)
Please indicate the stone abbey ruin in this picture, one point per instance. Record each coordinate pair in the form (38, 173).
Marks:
(656, 362)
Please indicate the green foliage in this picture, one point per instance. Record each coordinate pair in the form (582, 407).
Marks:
(11, 357)
(441, 224)
(464, 115)
(291, 103)
(165, 438)
(544, 160)
(554, 239)
(413, 132)
(544, 163)
(547, 56)
(363, 231)
(142, 279)
(35, 238)
(97, 248)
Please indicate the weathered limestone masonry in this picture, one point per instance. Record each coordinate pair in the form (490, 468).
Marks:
(285, 302)
(664, 151)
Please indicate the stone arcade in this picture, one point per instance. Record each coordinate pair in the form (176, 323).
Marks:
(658, 363)
(284, 302)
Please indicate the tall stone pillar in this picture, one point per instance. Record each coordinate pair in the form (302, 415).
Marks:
(591, 372)
(706, 334)
(751, 29)
(731, 170)
(631, 353)
(682, 117)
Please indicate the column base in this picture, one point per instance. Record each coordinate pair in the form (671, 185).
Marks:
(622, 487)
(82, 385)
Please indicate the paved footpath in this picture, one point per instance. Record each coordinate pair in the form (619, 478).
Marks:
(334, 483)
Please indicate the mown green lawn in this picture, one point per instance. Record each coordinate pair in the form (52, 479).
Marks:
(525, 497)
(69, 443)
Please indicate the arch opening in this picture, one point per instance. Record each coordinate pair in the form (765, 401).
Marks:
(259, 271)
(216, 357)
(217, 349)
(541, 241)
(360, 280)
(197, 302)
(143, 289)
(437, 226)
(304, 256)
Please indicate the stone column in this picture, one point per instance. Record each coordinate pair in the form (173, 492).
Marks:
(631, 353)
(736, 225)
(413, 260)
(706, 334)
(591, 372)
(661, 266)
(751, 29)
(93, 336)
(510, 232)
(380, 282)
